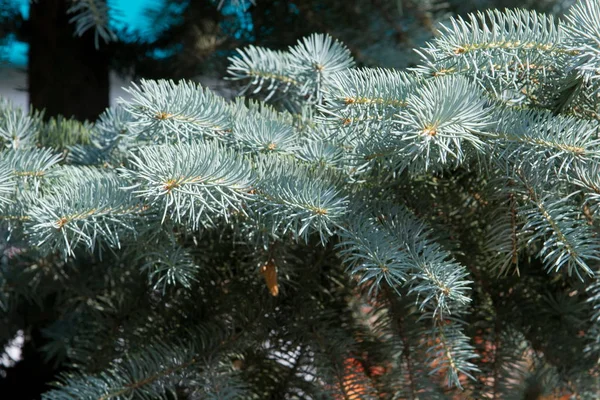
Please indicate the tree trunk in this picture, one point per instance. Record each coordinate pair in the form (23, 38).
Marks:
(67, 75)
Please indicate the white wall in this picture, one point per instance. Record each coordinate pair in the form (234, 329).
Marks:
(13, 85)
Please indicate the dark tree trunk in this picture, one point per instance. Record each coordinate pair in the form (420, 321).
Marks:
(67, 75)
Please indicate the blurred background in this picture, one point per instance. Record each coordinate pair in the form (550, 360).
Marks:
(42, 63)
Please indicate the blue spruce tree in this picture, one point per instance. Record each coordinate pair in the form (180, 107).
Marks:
(337, 233)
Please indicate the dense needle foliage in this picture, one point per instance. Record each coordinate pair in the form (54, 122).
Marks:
(340, 232)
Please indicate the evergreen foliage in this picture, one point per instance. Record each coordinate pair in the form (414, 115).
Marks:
(92, 14)
(346, 233)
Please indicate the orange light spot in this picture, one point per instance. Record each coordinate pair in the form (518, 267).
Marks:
(170, 185)
(269, 273)
(61, 222)
(163, 115)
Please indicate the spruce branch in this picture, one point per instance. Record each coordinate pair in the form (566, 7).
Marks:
(7, 185)
(368, 87)
(450, 353)
(60, 133)
(587, 178)
(17, 128)
(566, 239)
(142, 376)
(109, 141)
(193, 182)
(295, 199)
(241, 4)
(583, 38)
(505, 32)
(170, 266)
(554, 144)
(31, 167)
(260, 135)
(504, 242)
(496, 44)
(156, 368)
(373, 256)
(360, 100)
(505, 102)
(443, 120)
(594, 291)
(262, 69)
(322, 154)
(14, 212)
(396, 248)
(90, 213)
(168, 112)
(302, 72)
(92, 14)
(315, 59)
(398, 325)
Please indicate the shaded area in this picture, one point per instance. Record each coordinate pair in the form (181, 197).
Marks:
(67, 75)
